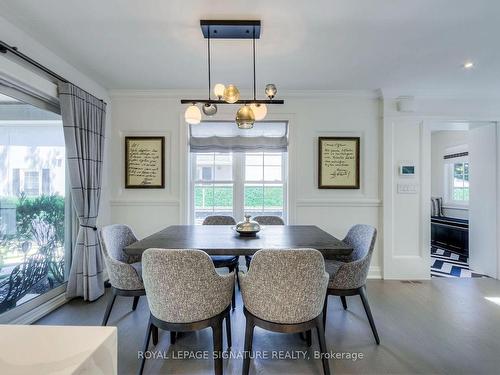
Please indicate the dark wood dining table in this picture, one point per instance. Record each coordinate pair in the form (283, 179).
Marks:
(224, 240)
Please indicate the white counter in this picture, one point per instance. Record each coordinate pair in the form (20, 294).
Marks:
(57, 350)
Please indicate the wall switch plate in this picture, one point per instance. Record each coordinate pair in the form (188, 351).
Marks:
(407, 188)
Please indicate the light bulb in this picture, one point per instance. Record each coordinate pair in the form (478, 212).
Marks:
(192, 115)
(231, 94)
(209, 109)
(271, 90)
(245, 117)
(219, 90)
(259, 110)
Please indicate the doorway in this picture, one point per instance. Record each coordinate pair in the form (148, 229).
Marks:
(463, 199)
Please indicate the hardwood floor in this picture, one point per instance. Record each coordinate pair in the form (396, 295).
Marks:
(440, 326)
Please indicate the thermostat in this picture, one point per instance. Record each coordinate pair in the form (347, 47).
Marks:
(406, 170)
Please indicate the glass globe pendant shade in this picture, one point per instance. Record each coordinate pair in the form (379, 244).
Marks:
(245, 117)
(209, 109)
(271, 90)
(231, 94)
(219, 90)
(259, 110)
(192, 115)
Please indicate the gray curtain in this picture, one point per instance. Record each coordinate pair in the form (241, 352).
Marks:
(84, 119)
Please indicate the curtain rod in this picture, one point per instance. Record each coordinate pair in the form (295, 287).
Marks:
(5, 48)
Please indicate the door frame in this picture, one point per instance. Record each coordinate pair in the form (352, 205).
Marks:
(427, 127)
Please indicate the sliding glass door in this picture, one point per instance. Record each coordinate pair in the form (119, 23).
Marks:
(32, 203)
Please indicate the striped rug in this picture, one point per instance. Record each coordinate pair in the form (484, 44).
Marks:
(445, 263)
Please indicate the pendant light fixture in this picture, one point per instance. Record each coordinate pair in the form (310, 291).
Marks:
(251, 110)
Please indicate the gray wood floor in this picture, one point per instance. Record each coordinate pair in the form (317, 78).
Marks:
(442, 326)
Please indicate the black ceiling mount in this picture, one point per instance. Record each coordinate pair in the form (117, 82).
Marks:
(230, 29)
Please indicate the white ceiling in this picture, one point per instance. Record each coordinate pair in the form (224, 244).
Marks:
(316, 45)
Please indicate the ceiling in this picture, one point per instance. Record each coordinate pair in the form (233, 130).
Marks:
(304, 45)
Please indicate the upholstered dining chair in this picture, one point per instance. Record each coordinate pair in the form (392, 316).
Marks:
(264, 220)
(284, 291)
(349, 278)
(124, 272)
(185, 293)
(224, 261)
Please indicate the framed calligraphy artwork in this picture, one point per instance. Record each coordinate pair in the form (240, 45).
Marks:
(338, 162)
(144, 162)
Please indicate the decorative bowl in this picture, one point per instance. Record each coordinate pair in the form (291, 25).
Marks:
(247, 227)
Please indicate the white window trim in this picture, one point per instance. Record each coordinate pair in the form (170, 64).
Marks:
(238, 182)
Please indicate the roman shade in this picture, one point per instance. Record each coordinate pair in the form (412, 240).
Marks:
(227, 137)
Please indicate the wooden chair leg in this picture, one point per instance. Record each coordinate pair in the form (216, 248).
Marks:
(134, 304)
(309, 338)
(237, 277)
(322, 346)
(154, 333)
(344, 302)
(362, 294)
(108, 308)
(228, 330)
(233, 299)
(325, 311)
(145, 347)
(248, 346)
(217, 337)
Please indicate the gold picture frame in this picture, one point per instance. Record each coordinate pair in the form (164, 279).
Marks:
(338, 162)
(144, 162)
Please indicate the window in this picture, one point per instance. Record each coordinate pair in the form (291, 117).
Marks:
(457, 181)
(213, 185)
(238, 183)
(32, 205)
(460, 182)
(31, 183)
(264, 186)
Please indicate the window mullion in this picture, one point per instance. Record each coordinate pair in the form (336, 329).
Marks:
(238, 185)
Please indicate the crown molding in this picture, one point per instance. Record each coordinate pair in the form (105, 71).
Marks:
(283, 94)
(393, 94)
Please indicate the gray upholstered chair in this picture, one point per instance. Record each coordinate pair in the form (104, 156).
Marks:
(124, 272)
(185, 293)
(284, 291)
(349, 278)
(264, 220)
(224, 261)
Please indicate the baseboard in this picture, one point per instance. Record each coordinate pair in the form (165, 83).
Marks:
(375, 272)
(40, 311)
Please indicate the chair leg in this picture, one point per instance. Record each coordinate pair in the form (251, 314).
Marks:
(362, 294)
(344, 302)
(325, 310)
(154, 333)
(217, 336)
(237, 277)
(134, 304)
(108, 309)
(145, 347)
(322, 346)
(228, 330)
(233, 298)
(248, 346)
(247, 262)
(173, 337)
(309, 338)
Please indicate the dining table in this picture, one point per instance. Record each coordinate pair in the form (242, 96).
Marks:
(224, 240)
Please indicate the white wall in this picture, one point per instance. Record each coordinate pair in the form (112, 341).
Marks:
(14, 36)
(441, 142)
(310, 114)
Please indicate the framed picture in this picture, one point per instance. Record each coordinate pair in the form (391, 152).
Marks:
(338, 163)
(144, 162)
